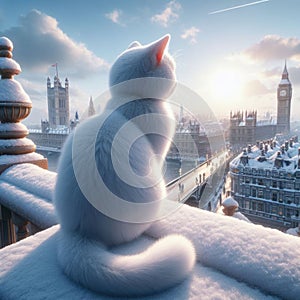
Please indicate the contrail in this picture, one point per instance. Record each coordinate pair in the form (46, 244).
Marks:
(238, 6)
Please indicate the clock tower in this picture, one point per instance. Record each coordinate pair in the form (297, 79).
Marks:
(284, 96)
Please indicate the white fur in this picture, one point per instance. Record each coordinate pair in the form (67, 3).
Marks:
(86, 233)
(166, 263)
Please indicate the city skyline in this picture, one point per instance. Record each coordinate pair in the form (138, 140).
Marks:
(233, 58)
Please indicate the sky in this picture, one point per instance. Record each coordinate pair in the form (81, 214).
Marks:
(232, 58)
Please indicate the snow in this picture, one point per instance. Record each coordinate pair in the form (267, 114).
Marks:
(28, 177)
(249, 262)
(293, 231)
(12, 91)
(290, 158)
(4, 41)
(62, 130)
(23, 191)
(240, 216)
(284, 81)
(12, 127)
(20, 158)
(8, 63)
(16, 142)
(230, 202)
(253, 263)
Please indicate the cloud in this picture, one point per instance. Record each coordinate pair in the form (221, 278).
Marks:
(191, 34)
(114, 16)
(39, 43)
(274, 47)
(255, 88)
(169, 14)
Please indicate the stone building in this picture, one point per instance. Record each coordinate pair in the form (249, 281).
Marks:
(58, 103)
(265, 180)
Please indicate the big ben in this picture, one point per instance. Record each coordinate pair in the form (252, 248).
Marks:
(284, 97)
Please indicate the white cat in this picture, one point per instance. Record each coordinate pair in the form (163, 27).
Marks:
(88, 230)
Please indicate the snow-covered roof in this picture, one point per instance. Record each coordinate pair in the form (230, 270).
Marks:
(266, 160)
(63, 130)
(253, 263)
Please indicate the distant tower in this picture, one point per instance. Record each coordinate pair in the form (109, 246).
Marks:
(91, 110)
(284, 96)
(58, 103)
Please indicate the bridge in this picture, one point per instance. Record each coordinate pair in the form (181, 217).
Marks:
(201, 182)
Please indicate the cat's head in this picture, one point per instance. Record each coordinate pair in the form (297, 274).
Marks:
(143, 61)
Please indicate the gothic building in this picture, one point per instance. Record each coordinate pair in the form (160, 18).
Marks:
(246, 129)
(284, 96)
(58, 103)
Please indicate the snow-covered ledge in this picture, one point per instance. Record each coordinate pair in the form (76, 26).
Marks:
(26, 190)
(235, 260)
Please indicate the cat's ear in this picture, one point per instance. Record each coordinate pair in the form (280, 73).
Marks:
(159, 48)
(134, 44)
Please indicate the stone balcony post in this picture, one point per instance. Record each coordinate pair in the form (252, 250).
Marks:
(15, 148)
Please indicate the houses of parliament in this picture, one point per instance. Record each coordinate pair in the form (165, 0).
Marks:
(246, 129)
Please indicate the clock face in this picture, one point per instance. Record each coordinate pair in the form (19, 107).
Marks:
(282, 93)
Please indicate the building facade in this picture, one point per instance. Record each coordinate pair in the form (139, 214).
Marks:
(189, 143)
(58, 103)
(265, 180)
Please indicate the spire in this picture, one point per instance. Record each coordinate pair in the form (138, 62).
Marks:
(285, 74)
(91, 109)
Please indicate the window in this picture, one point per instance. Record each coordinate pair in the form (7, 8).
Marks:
(253, 205)
(254, 180)
(260, 181)
(260, 206)
(274, 184)
(247, 206)
(274, 196)
(247, 191)
(253, 193)
(290, 185)
(260, 194)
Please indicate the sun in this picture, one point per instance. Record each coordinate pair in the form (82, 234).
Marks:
(226, 83)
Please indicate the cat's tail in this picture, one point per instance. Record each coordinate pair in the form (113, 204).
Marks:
(164, 264)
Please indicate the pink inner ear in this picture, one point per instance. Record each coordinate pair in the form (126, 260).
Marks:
(162, 44)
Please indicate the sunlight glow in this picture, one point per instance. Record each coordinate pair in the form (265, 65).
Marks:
(227, 84)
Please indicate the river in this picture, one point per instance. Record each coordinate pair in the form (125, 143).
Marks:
(172, 169)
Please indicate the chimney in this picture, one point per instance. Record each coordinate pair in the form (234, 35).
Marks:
(286, 145)
(262, 156)
(266, 147)
(244, 158)
(278, 163)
